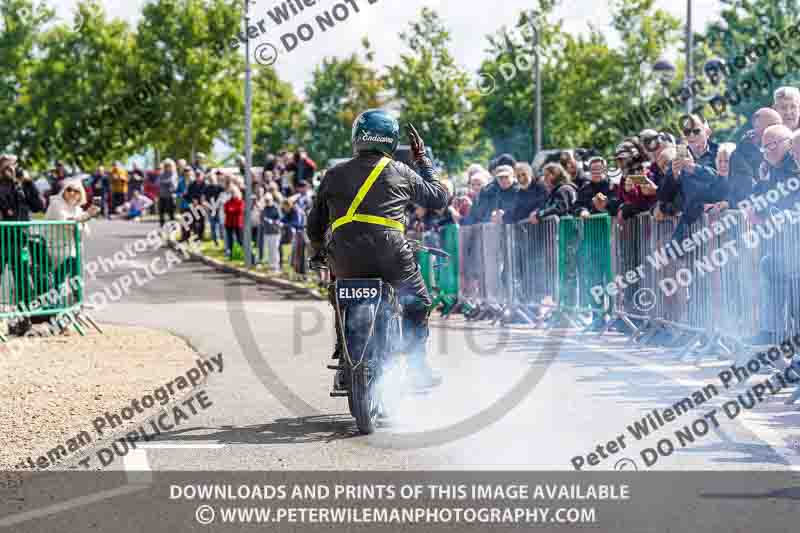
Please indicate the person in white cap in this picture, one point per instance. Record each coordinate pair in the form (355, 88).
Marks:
(199, 163)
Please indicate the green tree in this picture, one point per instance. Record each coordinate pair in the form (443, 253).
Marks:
(20, 40)
(640, 101)
(433, 93)
(340, 89)
(646, 32)
(587, 85)
(178, 40)
(751, 37)
(277, 113)
(81, 72)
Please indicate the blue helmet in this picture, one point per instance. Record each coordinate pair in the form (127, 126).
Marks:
(375, 130)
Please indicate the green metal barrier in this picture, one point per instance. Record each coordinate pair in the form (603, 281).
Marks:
(42, 270)
(425, 262)
(442, 281)
(568, 242)
(584, 260)
(594, 258)
(448, 274)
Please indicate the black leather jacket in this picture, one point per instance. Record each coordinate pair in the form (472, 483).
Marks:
(18, 199)
(561, 201)
(587, 193)
(396, 187)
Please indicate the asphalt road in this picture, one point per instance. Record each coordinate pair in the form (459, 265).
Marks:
(512, 399)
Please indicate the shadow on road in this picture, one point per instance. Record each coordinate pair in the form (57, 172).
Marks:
(298, 430)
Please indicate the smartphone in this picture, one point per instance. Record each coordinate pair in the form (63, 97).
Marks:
(682, 151)
(639, 179)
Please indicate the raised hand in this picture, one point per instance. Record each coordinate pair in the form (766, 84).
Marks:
(415, 141)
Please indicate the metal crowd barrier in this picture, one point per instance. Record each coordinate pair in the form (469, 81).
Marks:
(705, 290)
(534, 267)
(709, 292)
(42, 270)
(470, 260)
(779, 280)
(508, 272)
(724, 283)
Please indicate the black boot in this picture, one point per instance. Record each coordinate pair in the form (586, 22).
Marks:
(337, 351)
(415, 327)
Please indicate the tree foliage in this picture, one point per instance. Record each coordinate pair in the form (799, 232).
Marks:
(339, 90)
(755, 39)
(432, 92)
(95, 89)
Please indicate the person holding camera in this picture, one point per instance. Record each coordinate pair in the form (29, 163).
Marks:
(18, 199)
(695, 168)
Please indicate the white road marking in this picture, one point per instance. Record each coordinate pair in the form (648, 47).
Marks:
(71, 504)
(179, 446)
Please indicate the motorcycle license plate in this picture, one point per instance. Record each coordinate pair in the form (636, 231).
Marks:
(367, 291)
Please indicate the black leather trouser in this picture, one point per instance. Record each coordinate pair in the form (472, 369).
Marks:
(387, 255)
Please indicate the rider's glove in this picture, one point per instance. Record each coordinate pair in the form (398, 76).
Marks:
(417, 146)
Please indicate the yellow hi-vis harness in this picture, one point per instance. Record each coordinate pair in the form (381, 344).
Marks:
(352, 216)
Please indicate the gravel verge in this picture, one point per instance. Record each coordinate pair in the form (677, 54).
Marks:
(55, 387)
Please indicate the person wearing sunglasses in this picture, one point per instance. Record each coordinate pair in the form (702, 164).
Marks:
(66, 205)
(777, 273)
(747, 158)
(655, 142)
(779, 164)
(700, 183)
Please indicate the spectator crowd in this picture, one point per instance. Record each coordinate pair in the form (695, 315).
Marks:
(652, 172)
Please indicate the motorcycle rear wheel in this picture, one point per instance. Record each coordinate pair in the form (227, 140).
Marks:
(365, 406)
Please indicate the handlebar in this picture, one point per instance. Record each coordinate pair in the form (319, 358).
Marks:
(417, 246)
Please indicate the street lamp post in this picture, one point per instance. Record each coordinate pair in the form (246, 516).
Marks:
(689, 55)
(248, 148)
(538, 81)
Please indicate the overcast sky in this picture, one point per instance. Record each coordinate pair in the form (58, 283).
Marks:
(382, 21)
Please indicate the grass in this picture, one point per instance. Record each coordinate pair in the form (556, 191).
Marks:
(208, 249)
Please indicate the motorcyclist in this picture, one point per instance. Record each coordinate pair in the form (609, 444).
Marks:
(361, 205)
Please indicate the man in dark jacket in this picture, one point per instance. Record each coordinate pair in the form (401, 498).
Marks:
(596, 196)
(212, 192)
(747, 158)
(196, 196)
(531, 196)
(363, 203)
(497, 200)
(697, 175)
(18, 199)
(777, 270)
